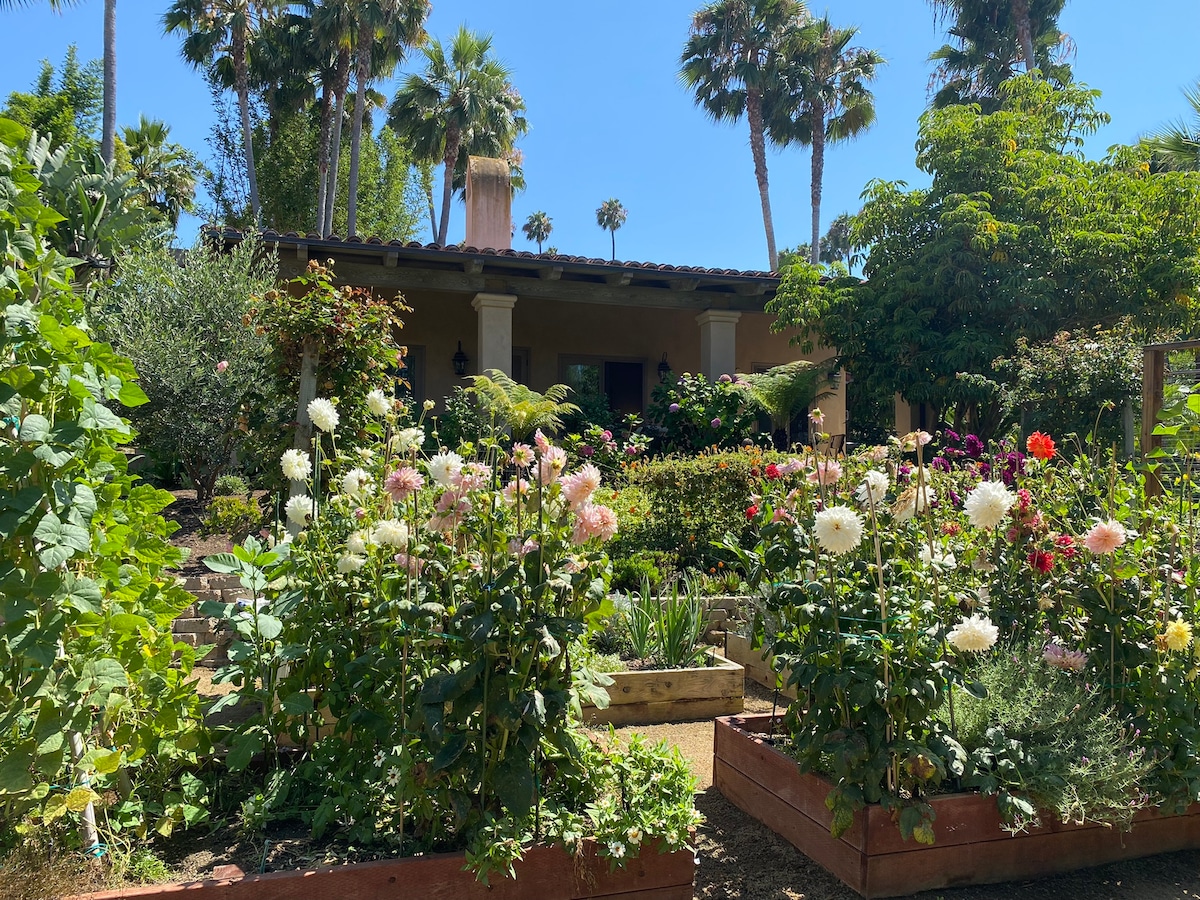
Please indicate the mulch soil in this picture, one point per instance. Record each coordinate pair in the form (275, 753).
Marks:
(739, 858)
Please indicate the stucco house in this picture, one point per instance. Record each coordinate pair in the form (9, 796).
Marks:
(550, 318)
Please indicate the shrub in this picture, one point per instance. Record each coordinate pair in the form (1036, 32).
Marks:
(462, 422)
(696, 414)
(237, 517)
(230, 485)
(628, 572)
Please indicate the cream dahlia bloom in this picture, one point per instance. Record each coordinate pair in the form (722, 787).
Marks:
(379, 403)
(348, 562)
(1177, 635)
(323, 414)
(914, 500)
(875, 485)
(390, 533)
(355, 482)
(298, 509)
(988, 503)
(838, 529)
(357, 542)
(973, 634)
(406, 440)
(1104, 537)
(444, 466)
(296, 465)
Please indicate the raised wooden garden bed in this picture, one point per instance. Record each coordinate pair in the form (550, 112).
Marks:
(546, 873)
(970, 846)
(757, 663)
(672, 695)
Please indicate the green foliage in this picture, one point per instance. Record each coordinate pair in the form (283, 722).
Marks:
(66, 109)
(184, 327)
(1045, 742)
(463, 422)
(520, 409)
(697, 414)
(94, 699)
(784, 392)
(665, 626)
(610, 453)
(237, 517)
(630, 572)
(1018, 236)
(229, 485)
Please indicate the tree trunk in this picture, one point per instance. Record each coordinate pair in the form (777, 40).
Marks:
(341, 86)
(613, 232)
(109, 138)
(818, 175)
(242, 77)
(453, 138)
(758, 150)
(323, 157)
(365, 36)
(1020, 12)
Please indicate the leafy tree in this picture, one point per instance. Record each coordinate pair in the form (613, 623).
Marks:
(521, 409)
(218, 37)
(462, 104)
(165, 172)
(65, 108)
(179, 324)
(835, 246)
(610, 216)
(386, 28)
(827, 99)
(731, 63)
(1018, 235)
(1176, 147)
(991, 42)
(537, 228)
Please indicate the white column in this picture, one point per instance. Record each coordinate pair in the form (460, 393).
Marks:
(495, 331)
(718, 342)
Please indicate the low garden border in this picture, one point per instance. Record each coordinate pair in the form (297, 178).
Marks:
(758, 664)
(672, 695)
(970, 846)
(548, 873)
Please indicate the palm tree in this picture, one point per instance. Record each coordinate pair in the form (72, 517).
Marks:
(521, 409)
(537, 228)
(610, 216)
(464, 99)
(166, 172)
(386, 28)
(1176, 147)
(55, 5)
(827, 99)
(731, 63)
(781, 392)
(108, 130)
(219, 38)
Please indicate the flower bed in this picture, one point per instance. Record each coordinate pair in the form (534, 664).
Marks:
(548, 873)
(672, 695)
(971, 846)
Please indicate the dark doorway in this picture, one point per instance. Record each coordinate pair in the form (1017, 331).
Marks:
(623, 385)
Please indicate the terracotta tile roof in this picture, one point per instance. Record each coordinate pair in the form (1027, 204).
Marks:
(336, 242)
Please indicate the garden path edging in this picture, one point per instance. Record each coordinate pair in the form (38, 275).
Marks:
(653, 696)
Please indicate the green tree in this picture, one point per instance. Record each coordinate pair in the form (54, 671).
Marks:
(537, 228)
(218, 37)
(827, 99)
(1018, 236)
(166, 172)
(462, 104)
(731, 63)
(993, 41)
(386, 29)
(64, 105)
(783, 392)
(610, 216)
(1176, 147)
(204, 372)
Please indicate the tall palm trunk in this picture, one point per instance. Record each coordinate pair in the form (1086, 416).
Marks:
(453, 144)
(109, 128)
(1020, 11)
(341, 85)
(758, 149)
(818, 176)
(323, 157)
(242, 85)
(365, 39)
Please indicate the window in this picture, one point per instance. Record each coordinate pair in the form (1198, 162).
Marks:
(520, 365)
(620, 381)
(413, 372)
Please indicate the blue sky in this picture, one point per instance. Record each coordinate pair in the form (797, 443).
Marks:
(609, 119)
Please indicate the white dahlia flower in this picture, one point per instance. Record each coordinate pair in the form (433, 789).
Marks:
(390, 533)
(445, 466)
(988, 503)
(973, 634)
(296, 465)
(838, 529)
(875, 485)
(299, 509)
(348, 562)
(323, 414)
(379, 403)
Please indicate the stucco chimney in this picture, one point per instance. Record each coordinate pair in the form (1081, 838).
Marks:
(489, 204)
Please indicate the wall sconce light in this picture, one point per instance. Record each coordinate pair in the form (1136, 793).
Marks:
(460, 361)
(664, 370)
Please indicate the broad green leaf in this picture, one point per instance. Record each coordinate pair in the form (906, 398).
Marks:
(34, 429)
(55, 807)
(108, 763)
(224, 563)
(80, 797)
(269, 627)
(132, 395)
(97, 417)
(15, 777)
(298, 704)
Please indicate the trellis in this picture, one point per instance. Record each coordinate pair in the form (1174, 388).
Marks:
(1157, 373)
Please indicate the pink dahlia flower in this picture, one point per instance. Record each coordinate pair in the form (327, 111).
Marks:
(403, 483)
(1104, 537)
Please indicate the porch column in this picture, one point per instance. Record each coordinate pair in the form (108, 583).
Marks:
(718, 342)
(495, 331)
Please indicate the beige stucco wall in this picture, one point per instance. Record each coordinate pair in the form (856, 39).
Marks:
(553, 330)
